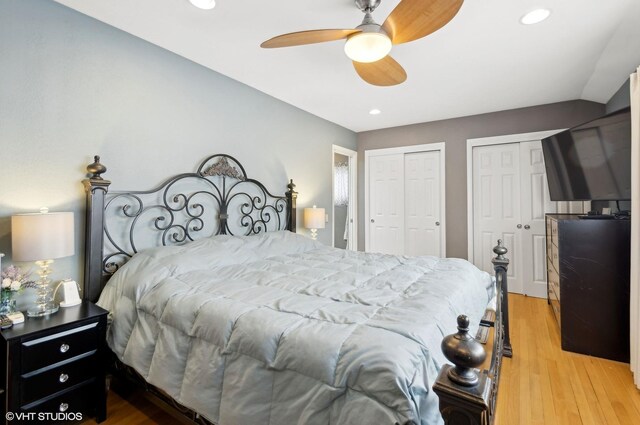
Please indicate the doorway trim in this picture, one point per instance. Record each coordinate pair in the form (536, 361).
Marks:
(486, 141)
(353, 194)
(427, 147)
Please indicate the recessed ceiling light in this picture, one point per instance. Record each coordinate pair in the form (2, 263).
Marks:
(375, 111)
(204, 4)
(535, 16)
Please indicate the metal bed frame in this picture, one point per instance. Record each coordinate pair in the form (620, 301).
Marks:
(218, 199)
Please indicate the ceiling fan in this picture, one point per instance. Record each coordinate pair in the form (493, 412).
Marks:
(369, 44)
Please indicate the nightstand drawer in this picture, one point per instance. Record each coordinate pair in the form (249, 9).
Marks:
(58, 347)
(78, 399)
(36, 385)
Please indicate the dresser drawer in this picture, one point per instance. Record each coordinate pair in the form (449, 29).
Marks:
(75, 400)
(553, 292)
(37, 385)
(554, 279)
(555, 306)
(58, 347)
(555, 259)
(554, 232)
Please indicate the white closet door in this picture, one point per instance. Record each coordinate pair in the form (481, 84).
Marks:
(422, 203)
(535, 202)
(386, 204)
(496, 207)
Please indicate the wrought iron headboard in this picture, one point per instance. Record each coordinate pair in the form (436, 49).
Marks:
(218, 199)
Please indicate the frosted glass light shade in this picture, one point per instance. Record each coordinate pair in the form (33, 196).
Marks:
(204, 4)
(314, 218)
(43, 236)
(367, 47)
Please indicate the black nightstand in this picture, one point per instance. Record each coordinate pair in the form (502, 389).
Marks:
(55, 366)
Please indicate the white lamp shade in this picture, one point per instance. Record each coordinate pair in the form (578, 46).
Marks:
(44, 236)
(314, 218)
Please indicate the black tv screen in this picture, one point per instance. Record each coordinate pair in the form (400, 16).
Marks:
(591, 161)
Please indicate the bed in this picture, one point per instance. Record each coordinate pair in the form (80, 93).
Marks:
(221, 310)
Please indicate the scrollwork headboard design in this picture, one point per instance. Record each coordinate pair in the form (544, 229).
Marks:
(217, 199)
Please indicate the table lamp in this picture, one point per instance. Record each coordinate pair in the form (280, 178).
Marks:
(42, 237)
(314, 220)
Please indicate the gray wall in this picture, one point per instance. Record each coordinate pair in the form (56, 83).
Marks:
(455, 132)
(621, 99)
(72, 87)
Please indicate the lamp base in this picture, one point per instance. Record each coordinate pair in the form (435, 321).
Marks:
(44, 304)
(40, 310)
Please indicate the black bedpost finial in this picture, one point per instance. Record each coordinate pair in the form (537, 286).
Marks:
(291, 186)
(464, 352)
(500, 250)
(96, 168)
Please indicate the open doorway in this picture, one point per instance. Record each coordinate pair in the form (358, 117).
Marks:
(344, 163)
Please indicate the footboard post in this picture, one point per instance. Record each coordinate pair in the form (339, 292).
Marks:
(96, 188)
(464, 393)
(500, 265)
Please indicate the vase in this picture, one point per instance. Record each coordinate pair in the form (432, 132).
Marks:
(7, 302)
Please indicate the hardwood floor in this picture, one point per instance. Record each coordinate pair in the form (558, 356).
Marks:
(544, 385)
(540, 385)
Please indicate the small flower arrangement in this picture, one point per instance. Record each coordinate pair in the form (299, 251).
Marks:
(14, 279)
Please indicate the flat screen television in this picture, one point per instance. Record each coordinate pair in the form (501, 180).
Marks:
(591, 161)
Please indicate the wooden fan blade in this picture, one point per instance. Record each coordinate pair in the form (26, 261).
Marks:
(414, 19)
(385, 72)
(306, 37)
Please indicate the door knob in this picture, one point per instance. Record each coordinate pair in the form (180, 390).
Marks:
(373, 221)
(437, 223)
(519, 226)
(527, 227)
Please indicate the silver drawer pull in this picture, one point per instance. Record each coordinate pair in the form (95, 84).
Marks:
(64, 348)
(63, 407)
(63, 378)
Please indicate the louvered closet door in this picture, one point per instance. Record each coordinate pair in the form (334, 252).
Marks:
(496, 207)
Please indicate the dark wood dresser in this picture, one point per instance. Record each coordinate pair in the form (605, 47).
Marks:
(588, 283)
(55, 367)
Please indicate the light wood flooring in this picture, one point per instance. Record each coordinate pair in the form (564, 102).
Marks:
(541, 384)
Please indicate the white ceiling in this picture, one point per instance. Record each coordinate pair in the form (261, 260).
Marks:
(484, 60)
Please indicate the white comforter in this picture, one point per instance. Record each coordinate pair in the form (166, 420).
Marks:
(278, 329)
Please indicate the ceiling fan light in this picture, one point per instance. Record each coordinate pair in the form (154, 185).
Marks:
(367, 47)
(204, 4)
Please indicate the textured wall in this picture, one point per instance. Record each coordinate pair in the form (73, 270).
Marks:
(455, 132)
(72, 87)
